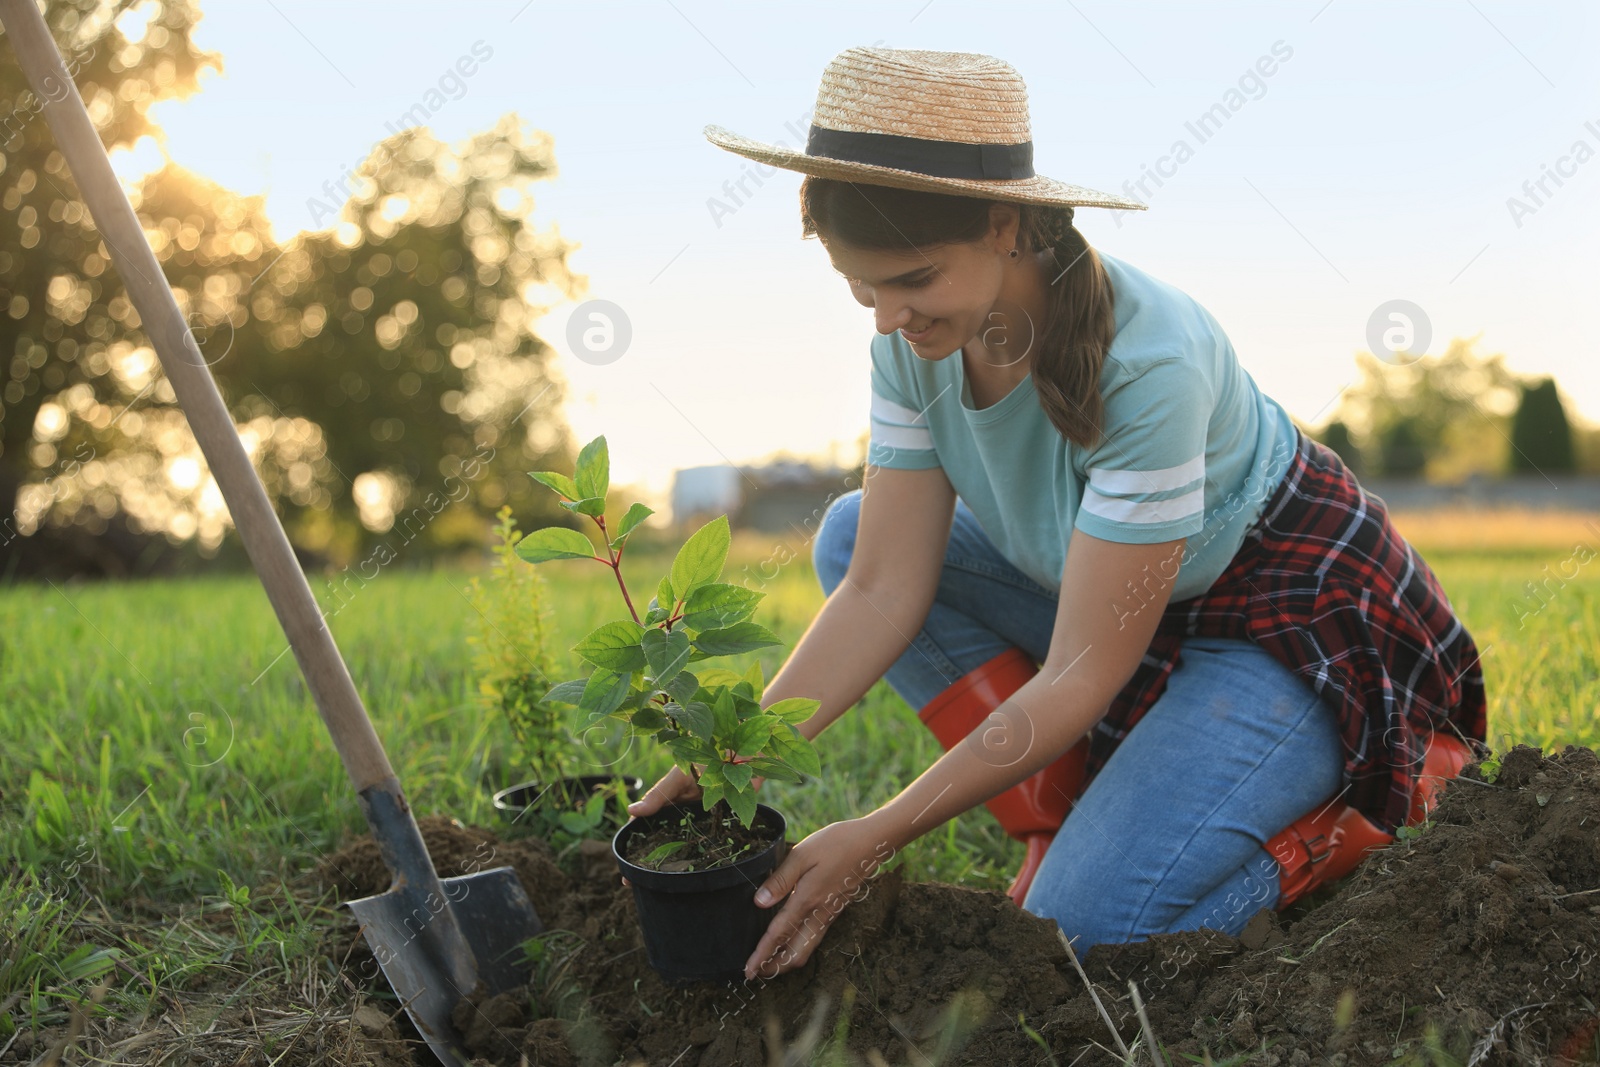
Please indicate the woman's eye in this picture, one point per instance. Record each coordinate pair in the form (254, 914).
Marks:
(918, 284)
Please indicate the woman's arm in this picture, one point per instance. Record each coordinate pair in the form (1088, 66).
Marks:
(1112, 596)
(883, 600)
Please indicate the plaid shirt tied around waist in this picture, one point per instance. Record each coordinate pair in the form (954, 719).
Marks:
(1325, 584)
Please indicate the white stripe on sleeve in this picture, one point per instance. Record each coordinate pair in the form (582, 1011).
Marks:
(1116, 509)
(1124, 482)
(907, 437)
(886, 410)
(898, 426)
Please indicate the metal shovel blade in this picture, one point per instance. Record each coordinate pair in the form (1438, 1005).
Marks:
(491, 909)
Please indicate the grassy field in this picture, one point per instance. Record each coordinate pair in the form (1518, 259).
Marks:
(159, 754)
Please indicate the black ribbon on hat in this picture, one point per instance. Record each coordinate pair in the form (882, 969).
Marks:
(937, 159)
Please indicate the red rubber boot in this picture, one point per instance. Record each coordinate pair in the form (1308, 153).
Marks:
(1328, 842)
(1032, 810)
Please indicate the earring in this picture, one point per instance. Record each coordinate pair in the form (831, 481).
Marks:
(1012, 253)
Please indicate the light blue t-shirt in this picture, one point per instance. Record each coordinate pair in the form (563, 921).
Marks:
(1190, 446)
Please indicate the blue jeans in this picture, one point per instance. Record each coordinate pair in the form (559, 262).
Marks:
(1169, 835)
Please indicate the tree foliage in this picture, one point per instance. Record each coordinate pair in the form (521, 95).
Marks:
(386, 373)
(1443, 416)
(1541, 435)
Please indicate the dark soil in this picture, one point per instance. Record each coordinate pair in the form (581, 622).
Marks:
(1479, 936)
(702, 840)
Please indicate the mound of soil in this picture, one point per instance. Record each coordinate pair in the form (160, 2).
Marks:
(1478, 937)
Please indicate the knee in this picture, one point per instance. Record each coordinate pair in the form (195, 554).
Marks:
(836, 540)
(1089, 907)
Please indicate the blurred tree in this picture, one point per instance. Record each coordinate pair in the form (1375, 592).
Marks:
(407, 332)
(123, 57)
(385, 374)
(1541, 436)
(1586, 443)
(1336, 435)
(1444, 416)
(1401, 452)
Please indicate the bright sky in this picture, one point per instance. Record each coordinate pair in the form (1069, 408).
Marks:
(1375, 163)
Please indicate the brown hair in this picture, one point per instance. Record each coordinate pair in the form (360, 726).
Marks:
(1079, 323)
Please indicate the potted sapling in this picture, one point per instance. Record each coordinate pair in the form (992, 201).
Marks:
(512, 666)
(693, 870)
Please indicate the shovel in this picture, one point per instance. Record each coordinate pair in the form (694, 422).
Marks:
(436, 940)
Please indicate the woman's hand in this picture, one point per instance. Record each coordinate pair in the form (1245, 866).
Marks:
(674, 787)
(819, 877)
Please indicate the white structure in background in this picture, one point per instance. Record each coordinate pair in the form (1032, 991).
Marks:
(775, 497)
(712, 490)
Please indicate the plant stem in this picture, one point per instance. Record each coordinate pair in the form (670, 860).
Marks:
(615, 563)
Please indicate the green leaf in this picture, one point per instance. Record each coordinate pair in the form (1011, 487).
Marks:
(635, 514)
(727, 718)
(717, 677)
(575, 823)
(661, 852)
(753, 676)
(683, 687)
(554, 542)
(719, 604)
(559, 482)
(767, 767)
(567, 692)
(737, 774)
(711, 794)
(794, 709)
(731, 640)
(648, 719)
(700, 560)
(614, 646)
(593, 475)
(589, 505)
(743, 805)
(788, 745)
(665, 653)
(693, 749)
(664, 595)
(604, 692)
(753, 734)
(694, 717)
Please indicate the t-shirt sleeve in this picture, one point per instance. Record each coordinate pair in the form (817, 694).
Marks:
(1146, 474)
(899, 436)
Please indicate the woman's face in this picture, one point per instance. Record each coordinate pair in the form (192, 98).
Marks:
(939, 298)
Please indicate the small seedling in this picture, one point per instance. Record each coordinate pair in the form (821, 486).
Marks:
(1489, 769)
(511, 660)
(712, 722)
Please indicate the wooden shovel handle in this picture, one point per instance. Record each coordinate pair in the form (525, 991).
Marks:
(258, 525)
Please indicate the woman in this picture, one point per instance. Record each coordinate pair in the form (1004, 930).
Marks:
(1069, 467)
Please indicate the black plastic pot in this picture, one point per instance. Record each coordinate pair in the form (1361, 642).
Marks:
(701, 926)
(514, 803)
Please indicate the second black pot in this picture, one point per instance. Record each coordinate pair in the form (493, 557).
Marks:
(701, 926)
(514, 803)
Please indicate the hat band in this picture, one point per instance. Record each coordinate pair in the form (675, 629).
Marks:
(937, 159)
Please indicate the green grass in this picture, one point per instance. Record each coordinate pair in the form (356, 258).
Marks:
(155, 726)
(158, 748)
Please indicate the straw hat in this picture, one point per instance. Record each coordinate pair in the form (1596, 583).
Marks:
(944, 122)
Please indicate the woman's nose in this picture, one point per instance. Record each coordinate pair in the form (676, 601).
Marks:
(890, 317)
